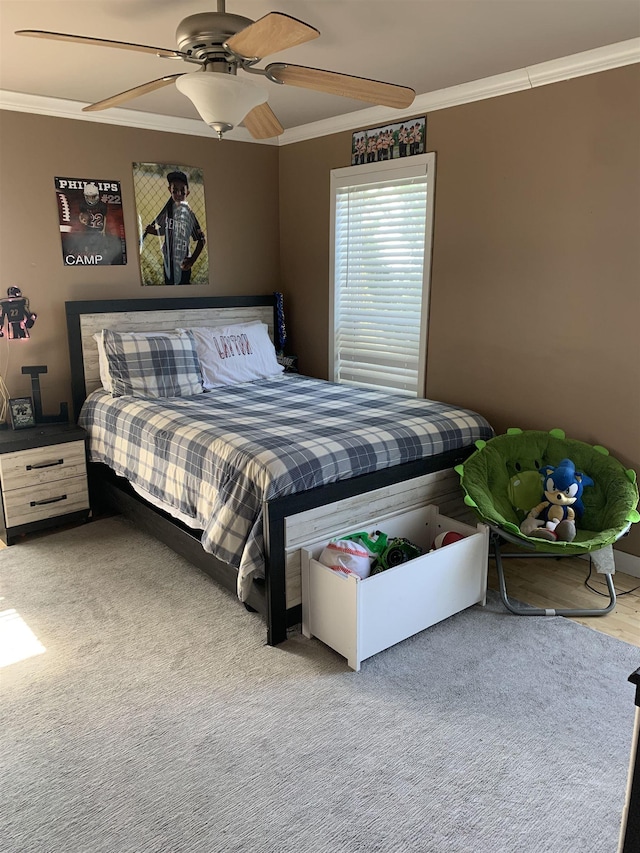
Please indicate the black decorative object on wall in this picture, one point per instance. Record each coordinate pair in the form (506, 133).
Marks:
(15, 310)
(62, 417)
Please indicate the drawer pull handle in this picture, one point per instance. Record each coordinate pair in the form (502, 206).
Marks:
(45, 465)
(48, 501)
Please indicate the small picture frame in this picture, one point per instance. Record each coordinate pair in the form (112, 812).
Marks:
(21, 412)
(389, 141)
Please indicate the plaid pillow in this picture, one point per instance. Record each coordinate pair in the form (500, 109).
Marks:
(150, 366)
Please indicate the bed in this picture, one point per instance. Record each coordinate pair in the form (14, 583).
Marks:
(290, 475)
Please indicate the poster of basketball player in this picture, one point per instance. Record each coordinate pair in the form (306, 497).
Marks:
(91, 222)
(171, 224)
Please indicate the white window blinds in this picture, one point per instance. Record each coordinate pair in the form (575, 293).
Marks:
(382, 222)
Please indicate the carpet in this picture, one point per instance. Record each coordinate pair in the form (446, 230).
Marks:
(151, 716)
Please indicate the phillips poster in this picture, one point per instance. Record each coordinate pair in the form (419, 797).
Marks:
(91, 222)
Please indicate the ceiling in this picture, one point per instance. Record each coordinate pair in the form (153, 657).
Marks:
(428, 45)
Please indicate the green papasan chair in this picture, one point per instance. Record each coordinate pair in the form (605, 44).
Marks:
(501, 483)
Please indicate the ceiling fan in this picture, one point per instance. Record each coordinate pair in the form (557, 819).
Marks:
(221, 44)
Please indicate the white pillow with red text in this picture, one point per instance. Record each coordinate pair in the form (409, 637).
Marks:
(241, 352)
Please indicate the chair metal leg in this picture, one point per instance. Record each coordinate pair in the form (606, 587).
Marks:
(544, 611)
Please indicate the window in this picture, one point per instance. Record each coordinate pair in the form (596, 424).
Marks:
(381, 232)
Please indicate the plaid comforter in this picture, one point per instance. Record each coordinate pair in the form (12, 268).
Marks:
(217, 457)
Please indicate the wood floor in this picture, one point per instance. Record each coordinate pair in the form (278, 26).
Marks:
(561, 583)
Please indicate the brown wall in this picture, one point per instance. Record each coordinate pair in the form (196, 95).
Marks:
(535, 294)
(535, 290)
(241, 194)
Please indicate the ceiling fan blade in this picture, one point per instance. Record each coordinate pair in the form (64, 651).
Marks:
(262, 123)
(360, 88)
(121, 97)
(125, 45)
(271, 34)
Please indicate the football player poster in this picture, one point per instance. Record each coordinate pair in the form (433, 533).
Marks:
(171, 216)
(91, 222)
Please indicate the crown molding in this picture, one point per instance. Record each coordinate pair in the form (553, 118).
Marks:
(59, 108)
(556, 70)
(490, 87)
(588, 62)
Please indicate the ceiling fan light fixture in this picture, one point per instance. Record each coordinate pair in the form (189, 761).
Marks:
(222, 100)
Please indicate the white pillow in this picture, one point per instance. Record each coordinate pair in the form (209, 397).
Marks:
(231, 354)
(103, 361)
(105, 376)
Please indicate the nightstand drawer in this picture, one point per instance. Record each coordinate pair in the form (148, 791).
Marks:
(41, 465)
(22, 506)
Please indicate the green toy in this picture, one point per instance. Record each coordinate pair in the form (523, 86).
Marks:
(386, 552)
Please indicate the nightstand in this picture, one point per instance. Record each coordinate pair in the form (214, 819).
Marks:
(43, 478)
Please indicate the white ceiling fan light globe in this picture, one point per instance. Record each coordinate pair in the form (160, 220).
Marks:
(222, 100)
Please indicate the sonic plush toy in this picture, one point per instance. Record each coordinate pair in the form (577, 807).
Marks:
(555, 517)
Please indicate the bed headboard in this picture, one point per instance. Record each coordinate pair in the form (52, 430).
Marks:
(85, 318)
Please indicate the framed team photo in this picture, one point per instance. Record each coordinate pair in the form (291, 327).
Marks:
(21, 412)
(389, 142)
(91, 222)
(171, 216)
